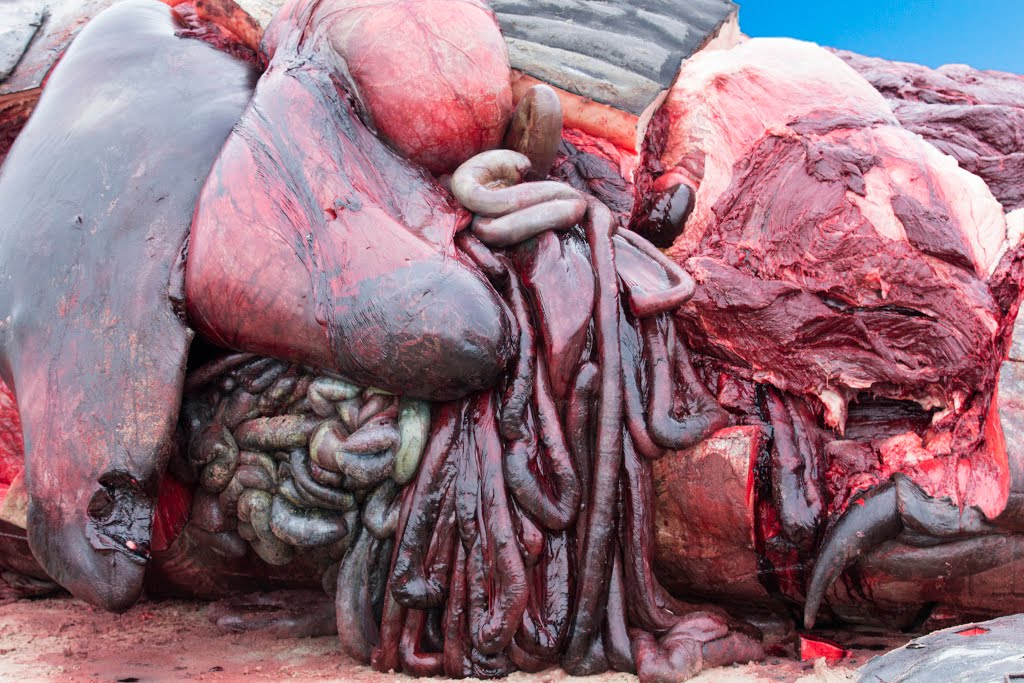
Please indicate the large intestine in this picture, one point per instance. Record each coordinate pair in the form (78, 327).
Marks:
(523, 535)
(526, 538)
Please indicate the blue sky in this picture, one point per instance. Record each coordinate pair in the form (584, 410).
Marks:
(987, 34)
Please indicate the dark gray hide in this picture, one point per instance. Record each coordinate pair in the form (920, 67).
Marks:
(621, 53)
(971, 653)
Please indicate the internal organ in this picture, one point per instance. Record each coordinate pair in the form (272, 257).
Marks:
(431, 76)
(355, 267)
(358, 268)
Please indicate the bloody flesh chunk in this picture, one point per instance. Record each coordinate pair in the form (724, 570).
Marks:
(856, 292)
(977, 117)
(836, 252)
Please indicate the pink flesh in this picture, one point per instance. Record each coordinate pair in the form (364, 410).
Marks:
(351, 264)
(441, 97)
(977, 117)
(837, 253)
(11, 446)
